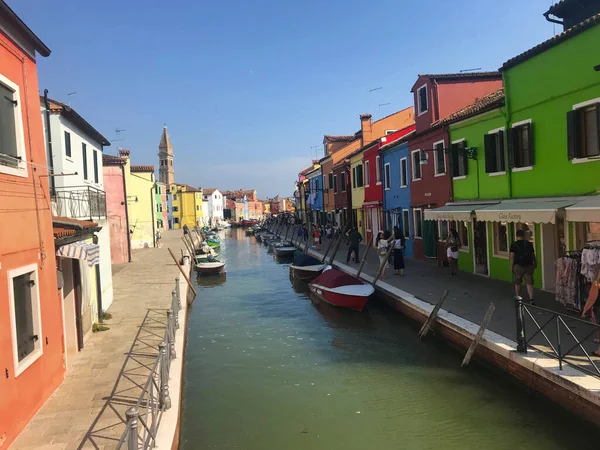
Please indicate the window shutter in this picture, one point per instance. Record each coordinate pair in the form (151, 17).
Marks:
(598, 127)
(454, 157)
(572, 134)
(465, 159)
(489, 140)
(501, 150)
(8, 135)
(530, 141)
(512, 147)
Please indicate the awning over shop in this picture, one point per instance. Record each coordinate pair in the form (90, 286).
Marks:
(90, 253)
(530, 210)
(460, 212)
(587, 210)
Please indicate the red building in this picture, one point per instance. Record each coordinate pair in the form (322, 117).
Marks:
(435, 97)
(373, 203)
(113, 173)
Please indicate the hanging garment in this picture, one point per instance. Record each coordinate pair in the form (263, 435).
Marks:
(566, 281)
(590, 259)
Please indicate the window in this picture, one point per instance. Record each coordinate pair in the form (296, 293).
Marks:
(583, 131)
(501, 239)
(369, 220)
(68, 144)
(460, 165)
(406, 223)
(335, 184)
(416, 165)
(528, 228)
(331, 183)
(12, 144)
(422, 99)
(25, 317)
(494, 152)
(84, 156)
(388, 132)
(324, 182)
(440, 158)
(403, 173)
(367, 174)
(197, 207)
(360, 175)
(343, 178)
(378, 169)
(175, 220)
(174, 196)
(520, 148)
(463, 234)
(386, 176)
(443, 228)
(175, 208)
(95, 167)
(418, 223)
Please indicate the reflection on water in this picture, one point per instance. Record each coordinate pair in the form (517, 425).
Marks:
(211, 280)
(269, 367)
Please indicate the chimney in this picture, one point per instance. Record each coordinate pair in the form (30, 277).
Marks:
(124, 152)
(366, 127)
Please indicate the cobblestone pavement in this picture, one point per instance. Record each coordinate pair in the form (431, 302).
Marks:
(87, 410)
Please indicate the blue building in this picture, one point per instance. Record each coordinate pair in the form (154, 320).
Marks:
(315, 195)
(170, 210)
(396, 190)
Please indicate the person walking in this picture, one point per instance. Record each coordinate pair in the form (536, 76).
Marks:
(158, 238)
(354, 240)
(305, 232)
(398, 242)
(329, 232)
(452, 246)
(186, 229)
(317, 236)
(382, 245)
(523, 264)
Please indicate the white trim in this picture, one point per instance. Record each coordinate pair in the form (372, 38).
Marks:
(21, 170)
(495, 130)
(21, 366)
(419, 111)
(586, 103)
(458, 141)
(412, 165)
(435, 159)
(496, 174)
(378, 170)
(521, 169)
(521, 123)
(387, 182)
(405, 184)
(462, 177)
(585, 160)
(496, 254)
(414, 223)
(403, 229)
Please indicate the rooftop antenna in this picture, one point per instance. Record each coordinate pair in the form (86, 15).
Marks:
(383, 104)
(69, 95)
(118, 131)
(470, 70)
(373, 90)
(316, 149)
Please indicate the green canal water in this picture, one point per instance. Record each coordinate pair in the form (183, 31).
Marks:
(269, 368)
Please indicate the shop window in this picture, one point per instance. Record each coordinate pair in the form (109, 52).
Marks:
(418, 223)
(586, 232)
(520, 146)
(25, 316)
(406, 223)
(416, 165)
(529, 230)
(494, 152)
(386, 176)
(443, 228)
(583, 131)
(463, 234)
(378, 169)
(460, 166)
(440, 158)
(403, 172)
(501, 239)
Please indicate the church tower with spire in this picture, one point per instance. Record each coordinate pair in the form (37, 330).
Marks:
(166, 172)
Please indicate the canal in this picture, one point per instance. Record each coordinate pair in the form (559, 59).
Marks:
(268, 368)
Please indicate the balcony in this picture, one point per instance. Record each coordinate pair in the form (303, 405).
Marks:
(79, 202)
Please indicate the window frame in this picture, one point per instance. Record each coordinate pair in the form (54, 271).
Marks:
(21, 170)
(513, 148)
(367, 177)
(378, 170)
(495, 242)
(464, 245)
(439, 229)
(343, 181)
(406, 224)
(20, 366)
(497, 131)
(324, 182)
(580, 106)
(96, 168)
(413, 165)
(387, 174)
(415, 228)
(335, 188)
(435, 159)
(419, 110)
(354, 183)
(404, 175)
(452, 144)
(84, 160)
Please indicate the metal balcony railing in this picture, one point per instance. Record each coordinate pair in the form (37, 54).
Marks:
(79, 202)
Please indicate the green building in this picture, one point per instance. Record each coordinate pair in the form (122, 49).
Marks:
(528, 157)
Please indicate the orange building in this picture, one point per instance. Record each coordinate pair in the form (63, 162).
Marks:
(31, 320)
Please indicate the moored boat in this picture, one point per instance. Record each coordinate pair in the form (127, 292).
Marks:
(340, 289)
(286, 249)
(205, 257)
(207, 268)
(306, 267)
(213, 242)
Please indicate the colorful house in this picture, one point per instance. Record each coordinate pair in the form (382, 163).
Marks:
(357, 174)
(186, 206)
(113, 174)
(31, 320)
(521, 138)
(315, 193)
(160, 200)
(436, 97)
(213, 199)
(331, 146)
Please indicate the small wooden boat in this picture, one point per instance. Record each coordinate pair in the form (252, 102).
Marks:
(340, 289)
(205, 257)
(249, 222)
(285, 250)
(207, 268)
(306, 267)
(272, 245)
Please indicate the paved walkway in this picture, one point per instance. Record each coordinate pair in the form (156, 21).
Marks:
(87, 410)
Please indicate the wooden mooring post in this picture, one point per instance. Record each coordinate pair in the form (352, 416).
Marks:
(382, 265)
(328, 247)
(309, 238)
(364, 260)
(340, 238)
(187, 279)
(433, 316)
(479, 336)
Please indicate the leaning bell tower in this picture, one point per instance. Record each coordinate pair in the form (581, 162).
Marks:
(166, 172)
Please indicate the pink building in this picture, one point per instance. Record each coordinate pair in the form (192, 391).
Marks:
(113, 172)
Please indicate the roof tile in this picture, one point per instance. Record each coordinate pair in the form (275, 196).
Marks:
(142, 168)
(487, 103)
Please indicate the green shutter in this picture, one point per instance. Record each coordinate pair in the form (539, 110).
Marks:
(512, 147)
(530, 142)
(572, 134)
(500, 148)
(490, 160)
(8, 135)
(598, 128)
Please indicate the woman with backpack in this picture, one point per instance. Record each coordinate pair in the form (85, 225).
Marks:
(452, 246)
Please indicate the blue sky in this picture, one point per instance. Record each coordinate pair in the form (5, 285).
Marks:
(247, 87)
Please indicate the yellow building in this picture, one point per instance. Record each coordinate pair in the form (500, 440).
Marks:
(186, 205)
(358, 190)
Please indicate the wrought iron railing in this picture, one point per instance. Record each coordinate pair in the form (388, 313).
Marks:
(79, 202)
(144, 418)
(568, 339)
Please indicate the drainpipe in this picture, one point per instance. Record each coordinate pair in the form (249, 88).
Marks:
(126, 215)
(152, 208)
(49, 138)
(98, 285)
(507, 115)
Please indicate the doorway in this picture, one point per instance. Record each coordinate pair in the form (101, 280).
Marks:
(549, 256)
(480, 247)
(77, 293)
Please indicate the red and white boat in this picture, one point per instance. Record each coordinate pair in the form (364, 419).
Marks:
(210, 268)
(340, 289)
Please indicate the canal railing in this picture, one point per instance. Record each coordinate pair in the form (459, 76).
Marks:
(568, 339)
(143, 419)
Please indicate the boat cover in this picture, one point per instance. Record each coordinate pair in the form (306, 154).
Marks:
(334, 278)
(302, 260)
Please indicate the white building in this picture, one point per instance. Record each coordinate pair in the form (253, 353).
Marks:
(214, 201)
(74, 155)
